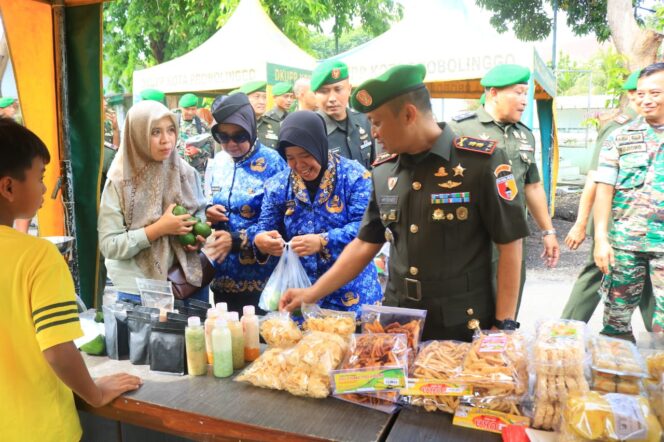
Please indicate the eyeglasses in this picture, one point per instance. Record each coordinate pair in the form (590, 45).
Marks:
(224, 138)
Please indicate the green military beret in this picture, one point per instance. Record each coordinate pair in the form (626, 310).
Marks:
(506, 75)
(328, 72)
(188, 100)
(396, 81)
(483, 99)
(253, 86)
(152, 94)
(282, 88)
(6, 102)
(630, 83)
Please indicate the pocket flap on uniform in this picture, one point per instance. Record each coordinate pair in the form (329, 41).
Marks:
(459, 309)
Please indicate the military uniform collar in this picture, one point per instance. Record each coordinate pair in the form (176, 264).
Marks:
(277, 112)
(486, 117)
(331, 124)
(443, 145)
(640, 124)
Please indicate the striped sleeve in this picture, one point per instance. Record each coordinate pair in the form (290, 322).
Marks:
(52, 295)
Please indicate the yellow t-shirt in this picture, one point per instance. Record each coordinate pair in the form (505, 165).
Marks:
(38, 312)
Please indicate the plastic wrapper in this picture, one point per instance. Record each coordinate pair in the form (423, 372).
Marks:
(116, 332)
(330, 321)
(384, 402)
(656, 395)
(559, 360)
(278, 330)
(608, 417)
(617, 366)
(376, 350)
(407, 321)
(288, 274)
(156, 293)
(655, 364)
(437, 361)
(303, 370)
(496, 364)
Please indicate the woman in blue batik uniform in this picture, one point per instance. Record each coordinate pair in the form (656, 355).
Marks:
(317, 205)
(237, 184)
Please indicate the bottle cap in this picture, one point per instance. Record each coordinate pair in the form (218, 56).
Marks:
(233, 316)
(248, 310)
(194, 321)
(222, 307)
(220, 323)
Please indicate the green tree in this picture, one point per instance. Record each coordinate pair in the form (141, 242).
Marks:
(532, 20)
(324, 46)
(142, 33)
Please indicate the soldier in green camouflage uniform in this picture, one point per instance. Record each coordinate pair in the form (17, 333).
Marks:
(191, 125)
(268, 129)
(584, 297)
(630, 187)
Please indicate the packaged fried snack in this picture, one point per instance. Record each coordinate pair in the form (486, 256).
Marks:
(376, 350)
(559, 360)
(655, 363)
(608, 417)
(384, 401)
(382, 319)
(656, 396)
(279, 330)
(617, 366)
(303, 370)
(432, 384)
(325, 320)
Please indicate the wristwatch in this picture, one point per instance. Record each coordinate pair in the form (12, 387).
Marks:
(548, 232)
(506, 324)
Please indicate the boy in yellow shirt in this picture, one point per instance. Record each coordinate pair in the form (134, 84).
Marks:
(39, 363)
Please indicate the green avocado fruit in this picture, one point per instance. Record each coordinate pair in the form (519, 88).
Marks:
(202, 229)
(179, 210)
(188, 239)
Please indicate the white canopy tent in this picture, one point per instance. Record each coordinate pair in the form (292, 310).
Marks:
(237, 53)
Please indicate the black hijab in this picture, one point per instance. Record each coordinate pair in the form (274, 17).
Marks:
(306, 129)
(234, 109)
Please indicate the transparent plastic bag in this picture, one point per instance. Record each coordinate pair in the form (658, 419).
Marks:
(383, 319)
(618, 357)
(288, 274)
(655, 364)
(325, 320)
(608, 417)
(268, 371)
(279, 330)
(383, 402)
(157, 294)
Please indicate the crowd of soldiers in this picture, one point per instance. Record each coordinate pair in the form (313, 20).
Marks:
(452, 198)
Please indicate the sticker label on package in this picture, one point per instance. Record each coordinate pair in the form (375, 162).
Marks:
(435, 387)
(369, 380)
(486, 420)
(495, 343)
(563, 331)
(630, 422)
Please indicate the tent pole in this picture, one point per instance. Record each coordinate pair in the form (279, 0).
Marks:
(555, 35)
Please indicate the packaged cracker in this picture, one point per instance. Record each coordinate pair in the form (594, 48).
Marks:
(608, 417)
(279, 330)
(655, 364)
(618, 357)
(432, 383)
(268, 371)
(408, 321)
(325, 320)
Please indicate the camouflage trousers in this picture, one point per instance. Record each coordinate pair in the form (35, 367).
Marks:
(621, 289)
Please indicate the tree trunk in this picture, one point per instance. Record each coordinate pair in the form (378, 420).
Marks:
(637, 44)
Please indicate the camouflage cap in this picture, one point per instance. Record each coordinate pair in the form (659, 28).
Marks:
(396, 81)
(328, 72)
(505, 75)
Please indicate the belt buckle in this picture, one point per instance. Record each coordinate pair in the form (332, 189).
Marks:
(413, 285)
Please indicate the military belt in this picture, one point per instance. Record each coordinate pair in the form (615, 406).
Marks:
(416, 290)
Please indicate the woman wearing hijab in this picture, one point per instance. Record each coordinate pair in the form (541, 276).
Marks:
(236, 182)
(138, 233)
(317, 206)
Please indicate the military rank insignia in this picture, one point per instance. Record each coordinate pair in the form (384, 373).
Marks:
(384, 158)
(505, 182)
(475, 145)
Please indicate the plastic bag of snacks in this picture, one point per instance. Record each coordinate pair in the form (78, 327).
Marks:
(496, 364)
(408, 321)
(325, 320)
(374, 369)
(431, 384)
(268, 371)
(303, 370)
(310, 362)
(655, 363)
(279, 330)
(288, 274)
(617, 366)
(559, 360)
(608, 417)
(656, 396)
